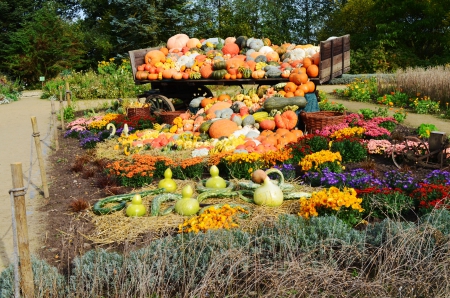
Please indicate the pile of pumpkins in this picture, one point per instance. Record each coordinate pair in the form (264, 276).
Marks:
(231, 58)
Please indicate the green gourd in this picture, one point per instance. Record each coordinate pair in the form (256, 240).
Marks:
(136, 208)
(168, 183)
(187, 205)
(215, 181)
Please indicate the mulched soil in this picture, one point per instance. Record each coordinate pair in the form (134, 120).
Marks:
(76, 182)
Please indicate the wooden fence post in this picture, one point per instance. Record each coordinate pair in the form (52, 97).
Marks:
(68, 95)
(55, 129)
(26, 272)
(37, 142)
(61, 108)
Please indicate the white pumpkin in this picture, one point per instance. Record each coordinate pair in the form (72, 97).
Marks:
(177, 41)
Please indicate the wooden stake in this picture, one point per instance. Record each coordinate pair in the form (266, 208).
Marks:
(68, 95)
(26, 273)
(55, 129)
(37, 142)
(61, 108)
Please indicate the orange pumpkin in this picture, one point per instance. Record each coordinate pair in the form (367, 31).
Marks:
(290, 87)
(154, 56)
(290, 119)
(230, 48)
(267, 124)
(224, 97)
(307, 62)
(222, 128)
(258, 74)
(304, 88)
(141, 75)
(316, 58)
(272, 56)
(289, 94)
(312, 71)
(206, 101)
(298, 78)
(206, 71)
(299, 92)
(220, 105)
(152, 76)
(168, 73)
(311, 86)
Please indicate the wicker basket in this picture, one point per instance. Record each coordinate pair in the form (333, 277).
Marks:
(317, 120)
(138, 112)
(169, 116)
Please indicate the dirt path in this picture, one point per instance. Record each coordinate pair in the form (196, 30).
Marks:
(412, 120)
(15, 145)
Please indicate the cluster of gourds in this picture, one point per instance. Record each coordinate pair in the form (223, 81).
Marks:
(231, 58)
(262, 190)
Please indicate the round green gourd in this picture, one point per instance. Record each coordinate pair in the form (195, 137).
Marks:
(249, 120)
(168, 183)
(187, 205)
(215, 181)
(136, 208)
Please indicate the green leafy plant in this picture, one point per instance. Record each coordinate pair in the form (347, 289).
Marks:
(425, 129)
(400, 115)
(318, 143)
(351, 149)
(395, 99)
(363, 90)
(326, 105)
(425, 106)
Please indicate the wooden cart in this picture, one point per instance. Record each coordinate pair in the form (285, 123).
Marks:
(334, 61)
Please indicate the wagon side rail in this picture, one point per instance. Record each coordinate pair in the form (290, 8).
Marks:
(334, 58)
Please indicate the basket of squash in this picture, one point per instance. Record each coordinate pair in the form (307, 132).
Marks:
(138, 109)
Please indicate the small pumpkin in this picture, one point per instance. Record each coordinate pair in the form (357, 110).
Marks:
(154, 56)
(230, 48)
(267, 124)
(312, 71)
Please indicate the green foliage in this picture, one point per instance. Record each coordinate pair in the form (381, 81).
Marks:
(369, 114)
(9, 90)
(113, 79)
(326, 105)
(388, 124)
(363, 90)
(392, 204)
(425, 106)
(425, 129)
(47, 281)
(350, 149)
(44, 46)
(69, 113)
(378, 234)
(400, 115)
(317, 143)
(397, 99)
(438, 218)
(99, 272)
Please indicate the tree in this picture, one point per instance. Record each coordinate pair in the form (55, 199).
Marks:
(44, 46)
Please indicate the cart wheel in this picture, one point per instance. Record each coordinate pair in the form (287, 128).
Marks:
(410, 152)
(159, 103)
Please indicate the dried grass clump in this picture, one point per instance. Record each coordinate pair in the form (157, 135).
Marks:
(78, 205)
(433, 82)
(80, 162)
(290, 257)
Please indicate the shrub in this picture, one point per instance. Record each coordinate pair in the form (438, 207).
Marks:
(351, 149)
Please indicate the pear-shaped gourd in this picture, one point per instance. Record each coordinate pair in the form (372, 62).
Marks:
(187, 205)
(167, 183)
(268, 194)
(215, 181)
(136, 208)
